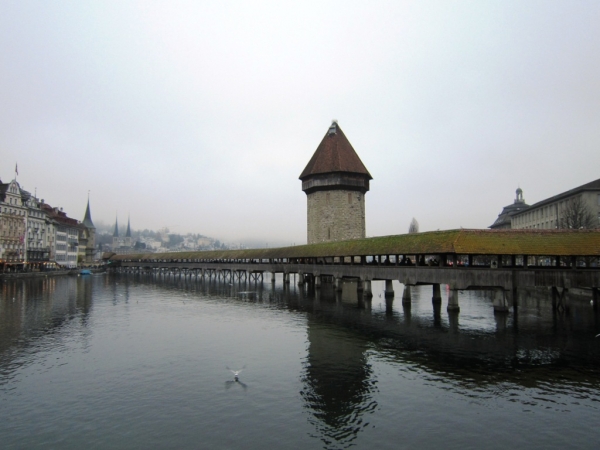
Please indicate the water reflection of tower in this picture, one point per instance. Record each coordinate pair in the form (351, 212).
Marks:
(338, 382)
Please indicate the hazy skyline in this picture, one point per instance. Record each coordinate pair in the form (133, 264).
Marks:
(200, 116)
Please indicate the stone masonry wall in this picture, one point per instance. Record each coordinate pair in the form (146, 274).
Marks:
(335, 215)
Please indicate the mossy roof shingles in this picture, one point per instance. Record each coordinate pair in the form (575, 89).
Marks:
(529, 242)
(462, 242)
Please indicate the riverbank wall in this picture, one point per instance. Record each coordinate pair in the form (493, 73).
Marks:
(45, 274)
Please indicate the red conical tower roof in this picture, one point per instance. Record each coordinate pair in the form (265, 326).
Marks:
(335, 154)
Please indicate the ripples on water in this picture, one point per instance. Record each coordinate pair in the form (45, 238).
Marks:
(140, 362)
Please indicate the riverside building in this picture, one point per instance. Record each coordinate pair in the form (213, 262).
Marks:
(13, 217)
(553, 212)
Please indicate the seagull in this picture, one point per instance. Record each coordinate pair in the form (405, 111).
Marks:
(236, 373)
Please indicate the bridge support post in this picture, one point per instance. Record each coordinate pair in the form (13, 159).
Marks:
(286, 278)
(338, 284)
(437, 314)
(360, 285)
(300, 279)
(596, 298)
(317, 281)
(406, 295)
(453, 300)
(560, 300)
(273, 277)
(366, 285)
(389, 289)
(437, 293)
(501, 322)
(500, 303)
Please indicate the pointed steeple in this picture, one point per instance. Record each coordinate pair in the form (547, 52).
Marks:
(335, 154)
(128, 232)
(87, 220)
(116, 232)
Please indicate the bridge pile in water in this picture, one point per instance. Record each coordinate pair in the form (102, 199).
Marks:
(500, 260)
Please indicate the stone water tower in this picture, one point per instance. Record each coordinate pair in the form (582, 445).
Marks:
(335, 181)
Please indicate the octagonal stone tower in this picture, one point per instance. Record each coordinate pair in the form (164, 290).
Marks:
(335, 181)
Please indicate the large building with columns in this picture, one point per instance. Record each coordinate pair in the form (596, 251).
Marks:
(335, 182)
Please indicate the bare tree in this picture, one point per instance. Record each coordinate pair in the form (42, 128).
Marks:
(414, 226)
(576, 215)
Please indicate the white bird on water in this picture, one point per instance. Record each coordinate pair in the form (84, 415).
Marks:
(236, 373)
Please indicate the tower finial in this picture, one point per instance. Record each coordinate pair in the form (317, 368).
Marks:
(332, 128)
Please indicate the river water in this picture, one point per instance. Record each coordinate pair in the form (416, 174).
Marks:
(124, 361)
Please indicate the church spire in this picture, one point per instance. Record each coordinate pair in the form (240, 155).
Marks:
(116, 232)
(128, 232)
(87, 220)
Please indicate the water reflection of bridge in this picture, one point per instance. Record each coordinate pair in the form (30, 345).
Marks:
(504, 338)
(536, 346)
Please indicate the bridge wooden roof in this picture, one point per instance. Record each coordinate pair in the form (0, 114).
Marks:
(461, 242)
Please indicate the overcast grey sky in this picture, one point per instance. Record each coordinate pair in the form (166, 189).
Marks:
(201, 115)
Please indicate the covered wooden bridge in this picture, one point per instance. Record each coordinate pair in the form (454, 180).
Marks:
(502, 260)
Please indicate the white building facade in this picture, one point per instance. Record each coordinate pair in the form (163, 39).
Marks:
(39, 229)
(13, 217)
(554, 212)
